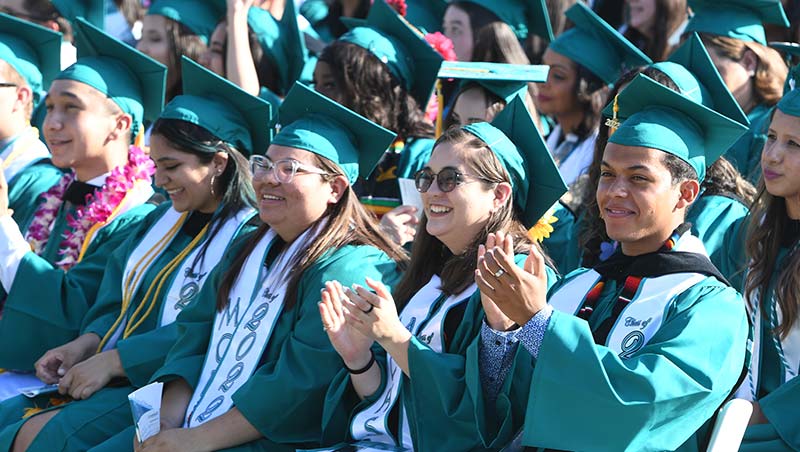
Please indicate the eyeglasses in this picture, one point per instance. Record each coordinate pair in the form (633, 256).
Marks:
(447, 179)
(284, 170)
(8, 85)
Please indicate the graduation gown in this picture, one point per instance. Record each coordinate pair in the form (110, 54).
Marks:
(433, 395)
(141, 353)
(745, 154)
(28, 172)
(579, 395)
(562, 245)
(776, 387)
(711, 217)
(284, 396)
(45, 306)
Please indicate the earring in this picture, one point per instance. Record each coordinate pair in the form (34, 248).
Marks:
(213, 176)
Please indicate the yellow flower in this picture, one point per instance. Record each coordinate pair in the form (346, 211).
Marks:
(31, 411)
(542, 229)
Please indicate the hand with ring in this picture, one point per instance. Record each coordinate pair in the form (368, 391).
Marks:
(510, 294)
(373, 314)
(352, 346)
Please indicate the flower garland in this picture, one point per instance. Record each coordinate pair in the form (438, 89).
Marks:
(98, 208)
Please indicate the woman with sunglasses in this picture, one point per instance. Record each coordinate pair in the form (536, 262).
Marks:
(157, 272)
(407, 389)
(252, 364)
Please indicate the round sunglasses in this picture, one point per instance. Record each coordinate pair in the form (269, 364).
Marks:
(447, 179)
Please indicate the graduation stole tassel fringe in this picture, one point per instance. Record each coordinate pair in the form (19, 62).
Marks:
(135, 276)
(158, 283)
(440, 112)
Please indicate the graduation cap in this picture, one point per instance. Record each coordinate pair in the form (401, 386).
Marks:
(94, 11)
(523, 16)
(222, 108)
(32, 50)
(504, 80)
(400, 46)
(131, 79)
(657, 117)
(200, 16)
(740, 19)
(692, 69)
(426, 14)
(282, 41)
(317, 124)
(516, 142)
(790, 103)
(595, 45)
(791, 50)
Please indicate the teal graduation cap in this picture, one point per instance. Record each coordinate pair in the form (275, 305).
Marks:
(94, 11)
(317, 124)
(790, 103)
(657, 117)
(692, 69)
(200, 16)
(595, 45)
(131, 79)
(282, 41)
(504, 80)
(222, 108)
(791, 51)
(515, 140)
(401, 47)
(426, 14)
(740, 19)
(32, 50)
(523, 16)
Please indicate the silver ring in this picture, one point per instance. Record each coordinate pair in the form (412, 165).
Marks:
(499, 273)
(371, 307)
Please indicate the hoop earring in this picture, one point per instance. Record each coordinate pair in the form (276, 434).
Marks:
(213, 176)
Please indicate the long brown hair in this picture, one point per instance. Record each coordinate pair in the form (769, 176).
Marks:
(768, 223)
(771, 70)
(182, 41)
(370, 89)
(348, 223)
(669, 15)
(430, 256)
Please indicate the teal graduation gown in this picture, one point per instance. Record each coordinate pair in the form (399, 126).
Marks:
(711, 217)
(86, 423)
(578, 395)
(777, 394)
(434, 395)
(745, 154)
(24, 190)
(283, 399)
(46, 305)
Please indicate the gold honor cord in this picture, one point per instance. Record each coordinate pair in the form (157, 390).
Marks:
(132, 281)
(160, 279)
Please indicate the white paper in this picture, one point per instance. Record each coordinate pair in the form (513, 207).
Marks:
(146, 409)
(409, 194)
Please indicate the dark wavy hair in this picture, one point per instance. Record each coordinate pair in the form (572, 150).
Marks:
(181, 41)
(669, 15)
(234, 182)
(349, 223)
(369, 88)
(430, 256)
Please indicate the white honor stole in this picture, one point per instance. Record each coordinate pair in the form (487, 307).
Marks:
(372, 424)
(242, 331)
(22, 152)
(188, 279)
(644, 314)
(788, 348)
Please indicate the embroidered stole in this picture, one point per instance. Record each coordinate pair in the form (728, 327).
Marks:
(242, 331)
(638, 312)
(189, 278)
(424, 318)
(22, 152)
(788, 348)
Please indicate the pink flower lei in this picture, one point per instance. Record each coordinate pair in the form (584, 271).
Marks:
(98, 208)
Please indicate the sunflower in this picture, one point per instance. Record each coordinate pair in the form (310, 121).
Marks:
(542, 229)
